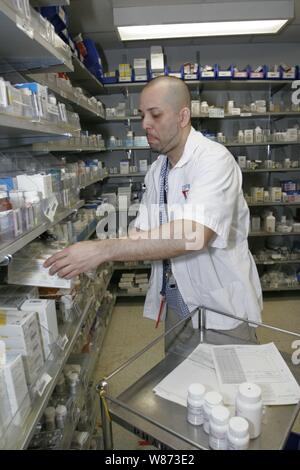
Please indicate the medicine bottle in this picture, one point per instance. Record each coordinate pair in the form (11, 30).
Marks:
(49, 415)
(60, 416)
(195, 400)
(238, 434)
(211, 399)
(249, 405)
(218, 426)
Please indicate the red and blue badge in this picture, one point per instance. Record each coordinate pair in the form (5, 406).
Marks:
(185, 189)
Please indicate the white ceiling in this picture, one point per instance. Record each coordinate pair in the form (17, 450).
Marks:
(94, 18)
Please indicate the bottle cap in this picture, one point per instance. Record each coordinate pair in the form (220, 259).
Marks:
(249, 392)
(238, 426)
(196, 391)
(220, 415)
(61, 410)
(213, 398)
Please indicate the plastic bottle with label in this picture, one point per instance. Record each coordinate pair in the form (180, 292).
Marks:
(238, 434)
(249, 405)
(195, 401)
(218, 426)
(270, 223)
(211, 399)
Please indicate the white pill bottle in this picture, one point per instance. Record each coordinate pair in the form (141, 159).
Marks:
(211, 399)
(195, 400)
(249, 405)
(238, 434)
(218, 426)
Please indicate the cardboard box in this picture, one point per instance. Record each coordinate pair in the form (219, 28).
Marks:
(16, 386)
(46, 312)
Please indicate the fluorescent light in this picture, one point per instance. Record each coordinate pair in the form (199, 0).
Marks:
(187, 30)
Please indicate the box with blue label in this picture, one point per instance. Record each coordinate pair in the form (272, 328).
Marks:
(273, 72)
(259, 73)
(288, 72)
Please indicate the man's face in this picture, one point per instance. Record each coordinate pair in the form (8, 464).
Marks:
(159, 120)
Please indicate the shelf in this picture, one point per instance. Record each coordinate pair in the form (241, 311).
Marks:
(130, 175)
(273, 234)
(273, 170)
(24, 130)
(123, 118)
(121, 267)
(69, 97)
(142, 147)
(19, 243)
(23, 48)
(85, 78)
(250, 115)
(272, 262)
(278, 289)
(47, 3)
(232, 85)
(119, 293)
(97, 180)
(263, 144)
(53, 147)
(21, 438)
(286, 204)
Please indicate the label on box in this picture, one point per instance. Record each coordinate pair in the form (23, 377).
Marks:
(62, 341)
(273, 75)
(42, 383)
(3, 94)
(209, 74)
(50, 210)
(190, 76)
(224, 73)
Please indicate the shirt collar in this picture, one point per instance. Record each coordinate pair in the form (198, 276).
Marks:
(191, 144)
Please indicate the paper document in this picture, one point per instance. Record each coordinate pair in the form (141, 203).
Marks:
(223, 368)
(198, 367)
(260, 364)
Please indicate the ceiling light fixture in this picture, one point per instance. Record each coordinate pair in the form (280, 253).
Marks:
(202, 20)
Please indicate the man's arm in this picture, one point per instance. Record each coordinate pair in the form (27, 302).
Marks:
(170, 240)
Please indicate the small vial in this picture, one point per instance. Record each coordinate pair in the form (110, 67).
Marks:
(60, 416)
(211, 399)
(49, 415)
(218, 426)
(73, 380)
(195, 400)
(249, 405)
(60, 387)
(238, 434)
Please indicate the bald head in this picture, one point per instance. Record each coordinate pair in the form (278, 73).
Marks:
(172, 90)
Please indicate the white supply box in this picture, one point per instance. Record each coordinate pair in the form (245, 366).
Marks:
(16, 387)
(37, 182)
(46, 312)
(31, 272)
(21, 334)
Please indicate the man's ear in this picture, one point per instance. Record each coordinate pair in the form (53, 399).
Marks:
(185, 117)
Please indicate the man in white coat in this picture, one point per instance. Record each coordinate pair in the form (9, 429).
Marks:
(192, 225)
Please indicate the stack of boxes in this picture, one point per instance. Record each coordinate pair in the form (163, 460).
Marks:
(140, 70)
(133, 283)
(157, 62)
(125, 74)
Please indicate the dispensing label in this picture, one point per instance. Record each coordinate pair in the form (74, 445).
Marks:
(62, 342)
(50, 210)
(42, 383)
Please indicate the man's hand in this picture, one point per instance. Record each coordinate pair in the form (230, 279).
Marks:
(75, 259)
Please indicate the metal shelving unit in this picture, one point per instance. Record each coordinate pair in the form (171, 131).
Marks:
(262, 204)
(85, 78)
(130, 175)
(249, 115)
(18, 129)
(23, 48)
(13, 246)
(271, 262)
(272, 170)
(278, 289)
(69, 97)
(64, 147)
(274, 234)
(262, 144)
(20, 438)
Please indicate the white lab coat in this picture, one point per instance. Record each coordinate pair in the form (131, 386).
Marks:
(223, 276)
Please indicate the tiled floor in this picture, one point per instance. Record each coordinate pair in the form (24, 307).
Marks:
(129, 332)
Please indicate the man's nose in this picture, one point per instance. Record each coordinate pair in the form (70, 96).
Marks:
(146, 123)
